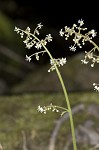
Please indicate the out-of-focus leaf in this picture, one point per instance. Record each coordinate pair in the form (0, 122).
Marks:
(6, 28)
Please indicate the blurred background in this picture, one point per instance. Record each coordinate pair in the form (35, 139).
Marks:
(25, 85)
(17, 75)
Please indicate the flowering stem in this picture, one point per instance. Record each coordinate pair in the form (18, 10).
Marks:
(66, 98)
(65, 93)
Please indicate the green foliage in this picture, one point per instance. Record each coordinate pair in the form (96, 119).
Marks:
(6, 28)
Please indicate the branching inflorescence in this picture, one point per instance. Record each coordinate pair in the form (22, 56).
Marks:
(52, 107)
(80, 37)
(32, 40)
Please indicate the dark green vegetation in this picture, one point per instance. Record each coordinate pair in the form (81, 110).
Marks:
(20, 119)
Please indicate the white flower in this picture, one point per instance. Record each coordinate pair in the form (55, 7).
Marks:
(61, 33)
(93, 33)
(81, 22)
(39, 25)
(74, 25)
(37, 56)
(49, 37)
(96, 88)
(62, 61)
(94, 84)
(28, 58)
(17, 30)
(28, 29)
(37, 32)
(92, 65)
(48, 70)
(38, 45)
(22, 34)
(72, 48)
(84, 61)
(26, 40)
(40, 109)
(29, 45)
(51, 62)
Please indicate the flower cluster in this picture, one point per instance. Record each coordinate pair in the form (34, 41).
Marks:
(91, 56)
(32, 40)
(96, 87)
(79, 38)
(59, 62)
(46, 108)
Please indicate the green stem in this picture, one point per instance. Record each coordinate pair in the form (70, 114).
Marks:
(37, 53)
(61, 108)
(95, 45)
(67, 100)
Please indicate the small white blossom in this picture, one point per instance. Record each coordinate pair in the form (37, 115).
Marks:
(38, 45)
(49, 37)
(51, 62)
(62, 61)
(39, 25)
(22, 34)
(84, 61)
(26, 40)
(94, 84)
(61, 33)
(72, 48)
(96, 87)
(74, 25)
(40, 109)
(28, 29)
(37, 56)
(28, 58)
(37, 32)
(92, 65)
(57, 62)
(29, 45)
(93, 33)
(17, 30)
(49, 70)
(81, 22)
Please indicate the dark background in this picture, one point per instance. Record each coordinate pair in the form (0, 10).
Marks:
(54, 15)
